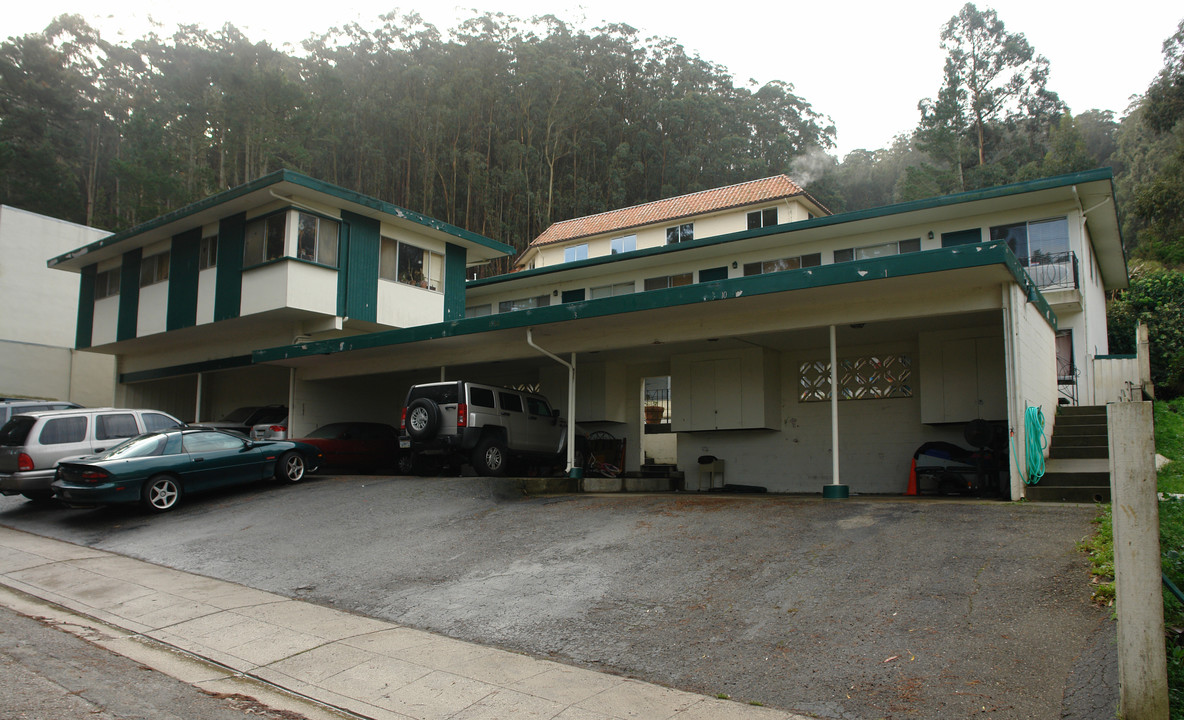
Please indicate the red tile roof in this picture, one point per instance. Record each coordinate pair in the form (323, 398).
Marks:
(704, 201)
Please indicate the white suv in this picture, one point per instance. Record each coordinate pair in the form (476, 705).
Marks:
(458, 422)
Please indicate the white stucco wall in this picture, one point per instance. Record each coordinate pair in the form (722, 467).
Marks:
(288, 283)
(56, 373)
(1032, 374)
(401, 305)
(206, 289)
(152, 313)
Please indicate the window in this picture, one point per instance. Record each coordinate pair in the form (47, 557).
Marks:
(781, 264)
(316, 239)
(107, 284)
(669, 281)
(576, 295)
(869, 252)
(154, 269)
(523, 303)
(710, 274)
(411, 265)
(207, 254)
(611, 290)
(762, 218)
(481, 397)
(264, 239)
(200, 442)
(867, 377)
(680, 233)
(575, 252)
(511, 402)
(59, 431)
(623, 244)
(156, 421)
(961, 237)
(1041, 242)
(538, 407)
(479, 310)
(117, 425)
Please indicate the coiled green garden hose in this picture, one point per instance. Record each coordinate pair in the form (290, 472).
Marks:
(1034, 444)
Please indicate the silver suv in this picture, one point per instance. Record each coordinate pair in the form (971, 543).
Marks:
(32, 443)
(456, 422)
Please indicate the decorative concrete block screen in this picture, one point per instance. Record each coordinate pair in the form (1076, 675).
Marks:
(867, 377)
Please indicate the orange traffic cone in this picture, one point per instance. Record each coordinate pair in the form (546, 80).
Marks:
(912, 490)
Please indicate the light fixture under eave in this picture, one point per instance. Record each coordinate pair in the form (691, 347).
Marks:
(656, 342)
(930, 234)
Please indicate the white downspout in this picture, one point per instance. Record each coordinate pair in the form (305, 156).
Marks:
(571, 397)
(197, 410)
(834, 406)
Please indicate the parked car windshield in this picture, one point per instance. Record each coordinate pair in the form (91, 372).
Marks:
(16, 430)
(142, 446)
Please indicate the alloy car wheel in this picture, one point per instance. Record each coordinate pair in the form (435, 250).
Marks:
(161, 493)
(290, 467)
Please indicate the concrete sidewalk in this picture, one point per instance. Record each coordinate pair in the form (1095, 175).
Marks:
(314, 660)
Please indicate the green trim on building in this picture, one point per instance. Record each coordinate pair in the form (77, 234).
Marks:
(229, 363)
(228, 280)
(824, 221)
(855, 272)
(454, 282)
(295, 178)
(357, 287)
(183, 260)
(129, 295)
(969, 236)
(85, 326)
(1116, 357)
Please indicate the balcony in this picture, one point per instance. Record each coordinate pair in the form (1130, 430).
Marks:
(1052, 272)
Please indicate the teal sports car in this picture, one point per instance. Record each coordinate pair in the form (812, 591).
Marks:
(157, 469)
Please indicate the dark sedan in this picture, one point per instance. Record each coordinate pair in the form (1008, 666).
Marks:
(363, 447)
(157, 469)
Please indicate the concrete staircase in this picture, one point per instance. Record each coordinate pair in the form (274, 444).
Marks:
(1078, 465)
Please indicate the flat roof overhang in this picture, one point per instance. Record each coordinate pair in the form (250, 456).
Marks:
(279, 185)
(934, 283)
(1092, 191)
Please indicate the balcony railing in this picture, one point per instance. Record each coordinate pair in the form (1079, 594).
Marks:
(1057, 271)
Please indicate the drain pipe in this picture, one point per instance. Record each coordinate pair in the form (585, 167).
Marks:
(572, 470)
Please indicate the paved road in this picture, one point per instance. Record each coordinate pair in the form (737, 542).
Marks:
(868, 608)
(47, 674)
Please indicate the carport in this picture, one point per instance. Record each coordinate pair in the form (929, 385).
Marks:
(768, 326)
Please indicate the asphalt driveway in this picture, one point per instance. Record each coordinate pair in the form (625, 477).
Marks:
(864, 608)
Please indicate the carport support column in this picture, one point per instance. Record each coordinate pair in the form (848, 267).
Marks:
(834, 490)
(572, 470)
(200, 387)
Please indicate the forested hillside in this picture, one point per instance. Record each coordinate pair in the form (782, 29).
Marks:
(502, 125)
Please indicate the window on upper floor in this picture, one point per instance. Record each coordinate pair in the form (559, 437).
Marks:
(762, 218)
(264, 239)
(573, 253)
(410, 265)
(610, 290)
(868, 252)
(1039, 242)
(523, 303)
(107, 284)
(154, 269)
(207, 254)
(316, 239)
(669, 281)
(780, 264)
(624, 244)
(680, 233)
(479, 310)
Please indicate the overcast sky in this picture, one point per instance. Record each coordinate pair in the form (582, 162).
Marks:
(865, 64)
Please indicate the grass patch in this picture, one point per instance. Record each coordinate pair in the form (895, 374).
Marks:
(1169, 442)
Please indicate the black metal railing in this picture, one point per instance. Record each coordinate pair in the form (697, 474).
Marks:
(1056, 271)
(1066, 382)
(658, 398)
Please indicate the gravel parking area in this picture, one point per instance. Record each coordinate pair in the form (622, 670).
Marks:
(864, 608)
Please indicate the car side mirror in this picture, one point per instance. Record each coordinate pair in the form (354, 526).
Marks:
(555, 417)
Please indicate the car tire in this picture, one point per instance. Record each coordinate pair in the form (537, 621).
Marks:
(423, 419)
(290, 468)
(490, 458)
(161, 493)
(405, 464)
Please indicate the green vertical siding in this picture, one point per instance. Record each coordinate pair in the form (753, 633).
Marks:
(84, 328)
(357, 267)
(182, 310)
(228, 282)
(454, 282)
(129, 295)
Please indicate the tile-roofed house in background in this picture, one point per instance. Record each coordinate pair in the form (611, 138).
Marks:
(706, 213)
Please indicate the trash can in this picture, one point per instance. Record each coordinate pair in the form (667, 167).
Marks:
(711, 473)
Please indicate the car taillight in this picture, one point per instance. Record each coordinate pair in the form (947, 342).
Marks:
(24, 462)
(403, 420)
(277, 429)
(462, 415)
(94, 476)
